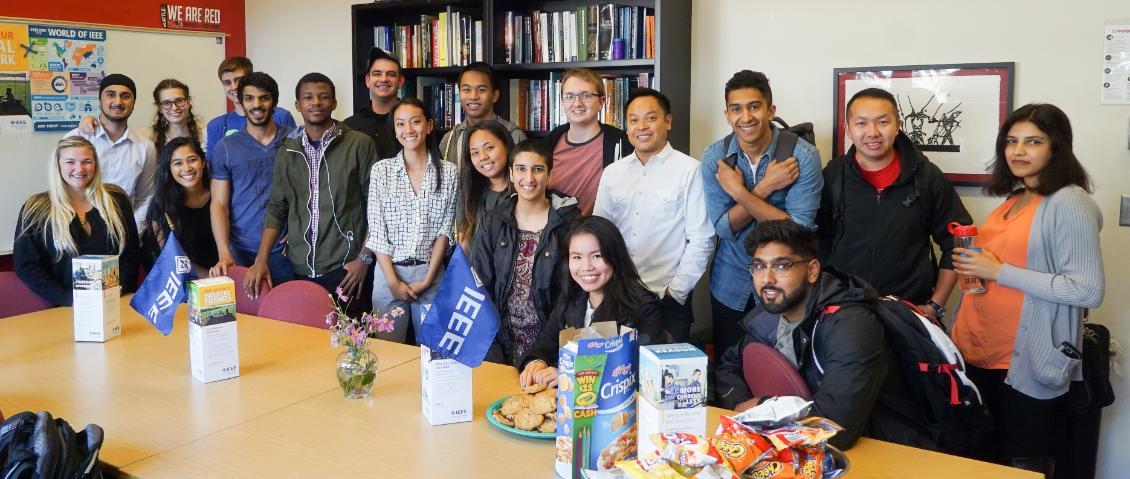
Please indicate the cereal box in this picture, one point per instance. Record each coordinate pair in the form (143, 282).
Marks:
(672, 391)
(596, 399)
(96, 285)
(212, 340)
(445, 386)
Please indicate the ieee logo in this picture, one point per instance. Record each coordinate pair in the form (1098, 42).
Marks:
(183, 264)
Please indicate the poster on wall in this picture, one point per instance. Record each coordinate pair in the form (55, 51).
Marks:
(64, 66)
(1116, 65)
(15, 96)
(951, 112)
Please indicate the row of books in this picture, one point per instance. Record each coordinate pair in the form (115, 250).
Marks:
(449, 38)
(590, 33)
(442, 98)
(535, 105)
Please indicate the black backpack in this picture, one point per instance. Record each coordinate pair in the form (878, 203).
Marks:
(38, 446)
(786, 140)
(955, 417)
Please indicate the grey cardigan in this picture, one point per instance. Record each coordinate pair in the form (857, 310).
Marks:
(1064, 276)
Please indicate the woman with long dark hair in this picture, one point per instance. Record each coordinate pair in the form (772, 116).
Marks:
(181, 204)
(77, 215)
(518, 248)
(600, 284)
(411, 209)
(1039, 258)
(485, 178)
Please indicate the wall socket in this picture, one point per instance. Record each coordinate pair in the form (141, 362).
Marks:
(1124, 212)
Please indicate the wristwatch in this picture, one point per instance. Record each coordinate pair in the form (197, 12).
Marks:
(365, 258)
(939, 310)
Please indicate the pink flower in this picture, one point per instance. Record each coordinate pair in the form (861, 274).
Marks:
(341, 294)
(385, 325)
(331, 317)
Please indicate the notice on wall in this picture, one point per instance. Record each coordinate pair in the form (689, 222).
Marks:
(49, 76)
(1116, 65)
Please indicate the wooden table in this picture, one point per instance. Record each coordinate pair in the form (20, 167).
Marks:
(387, 437)
(139, 388)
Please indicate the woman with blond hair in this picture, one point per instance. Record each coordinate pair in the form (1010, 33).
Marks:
(77, 215)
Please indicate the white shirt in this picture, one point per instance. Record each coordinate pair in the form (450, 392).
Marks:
(404, 224)
(660, 209)
(130, 163)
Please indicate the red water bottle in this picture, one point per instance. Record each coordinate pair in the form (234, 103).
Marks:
(965, 237)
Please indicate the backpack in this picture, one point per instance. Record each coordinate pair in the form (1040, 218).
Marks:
(36, 445)
(786, 140)
(955, 416)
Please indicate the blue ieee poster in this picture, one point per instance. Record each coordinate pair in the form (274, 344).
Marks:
(66, 64)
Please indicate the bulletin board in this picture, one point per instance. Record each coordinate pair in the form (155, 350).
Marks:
(145, 55)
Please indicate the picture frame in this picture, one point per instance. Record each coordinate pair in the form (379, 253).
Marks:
(951, 111)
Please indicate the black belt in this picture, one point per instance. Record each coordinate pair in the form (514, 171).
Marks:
(410, 262)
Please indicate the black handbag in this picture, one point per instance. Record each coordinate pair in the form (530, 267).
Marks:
(1094, 392)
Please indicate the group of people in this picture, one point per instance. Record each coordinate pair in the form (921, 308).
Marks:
(593, 223)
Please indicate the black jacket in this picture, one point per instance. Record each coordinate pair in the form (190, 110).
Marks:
(378, 127)
(616, 144)
(861, 387)
(884, 238)
(648, 324)
(495, 251)
(34, 252)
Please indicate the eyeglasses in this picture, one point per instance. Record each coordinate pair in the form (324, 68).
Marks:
(168, 104)
(781, 269)
(586, 97)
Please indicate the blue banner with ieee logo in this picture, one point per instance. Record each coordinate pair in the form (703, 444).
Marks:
(462, 321)
(164, 288)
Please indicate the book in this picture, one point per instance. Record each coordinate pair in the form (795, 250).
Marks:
(606, 31)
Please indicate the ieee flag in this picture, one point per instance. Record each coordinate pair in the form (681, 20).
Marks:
(462, 321)
(164, 288)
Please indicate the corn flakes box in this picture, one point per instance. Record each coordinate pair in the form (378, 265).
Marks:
(596, 399)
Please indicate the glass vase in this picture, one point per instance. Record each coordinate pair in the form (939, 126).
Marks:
(356, 371)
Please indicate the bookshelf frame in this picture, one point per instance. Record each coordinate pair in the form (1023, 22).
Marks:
(670, 68)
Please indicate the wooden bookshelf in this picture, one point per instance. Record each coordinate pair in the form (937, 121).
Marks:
(669, 68)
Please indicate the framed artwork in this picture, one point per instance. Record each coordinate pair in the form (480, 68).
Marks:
(951, 112)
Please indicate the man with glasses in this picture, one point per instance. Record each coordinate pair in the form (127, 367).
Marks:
(840, 349)
(583, 146)
(757, 173)
(126, 158)
(478, 91)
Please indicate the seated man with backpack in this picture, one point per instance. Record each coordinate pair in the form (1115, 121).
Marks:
(835, 330)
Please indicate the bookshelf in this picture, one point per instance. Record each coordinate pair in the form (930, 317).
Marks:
(664, 61)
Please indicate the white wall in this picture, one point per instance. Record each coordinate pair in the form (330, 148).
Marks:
(1056, 47)
(290, 38)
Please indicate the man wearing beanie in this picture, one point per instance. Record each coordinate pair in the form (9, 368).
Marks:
(127, 159)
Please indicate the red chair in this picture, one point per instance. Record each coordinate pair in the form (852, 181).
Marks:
(244, 304)
(768, 373)
(299, 302)
(18, 298)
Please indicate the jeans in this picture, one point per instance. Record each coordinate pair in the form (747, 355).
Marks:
(384, 301)
(279, 265)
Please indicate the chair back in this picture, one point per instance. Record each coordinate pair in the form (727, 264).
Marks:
(768, 373)
(297, 301)
(244, 304)
(18, 298)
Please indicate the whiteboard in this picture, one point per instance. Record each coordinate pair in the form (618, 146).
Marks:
(145, 56)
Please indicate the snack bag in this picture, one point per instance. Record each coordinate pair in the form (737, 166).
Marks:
(596, 401)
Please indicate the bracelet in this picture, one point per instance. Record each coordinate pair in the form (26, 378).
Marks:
(939, 310)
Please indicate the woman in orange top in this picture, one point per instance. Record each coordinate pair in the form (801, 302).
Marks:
(1041, 264)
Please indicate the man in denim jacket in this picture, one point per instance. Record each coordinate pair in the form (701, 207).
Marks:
(744, 185)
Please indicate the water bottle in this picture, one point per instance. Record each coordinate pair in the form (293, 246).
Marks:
(965, 237)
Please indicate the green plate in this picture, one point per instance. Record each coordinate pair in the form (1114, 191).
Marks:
(513, 430)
